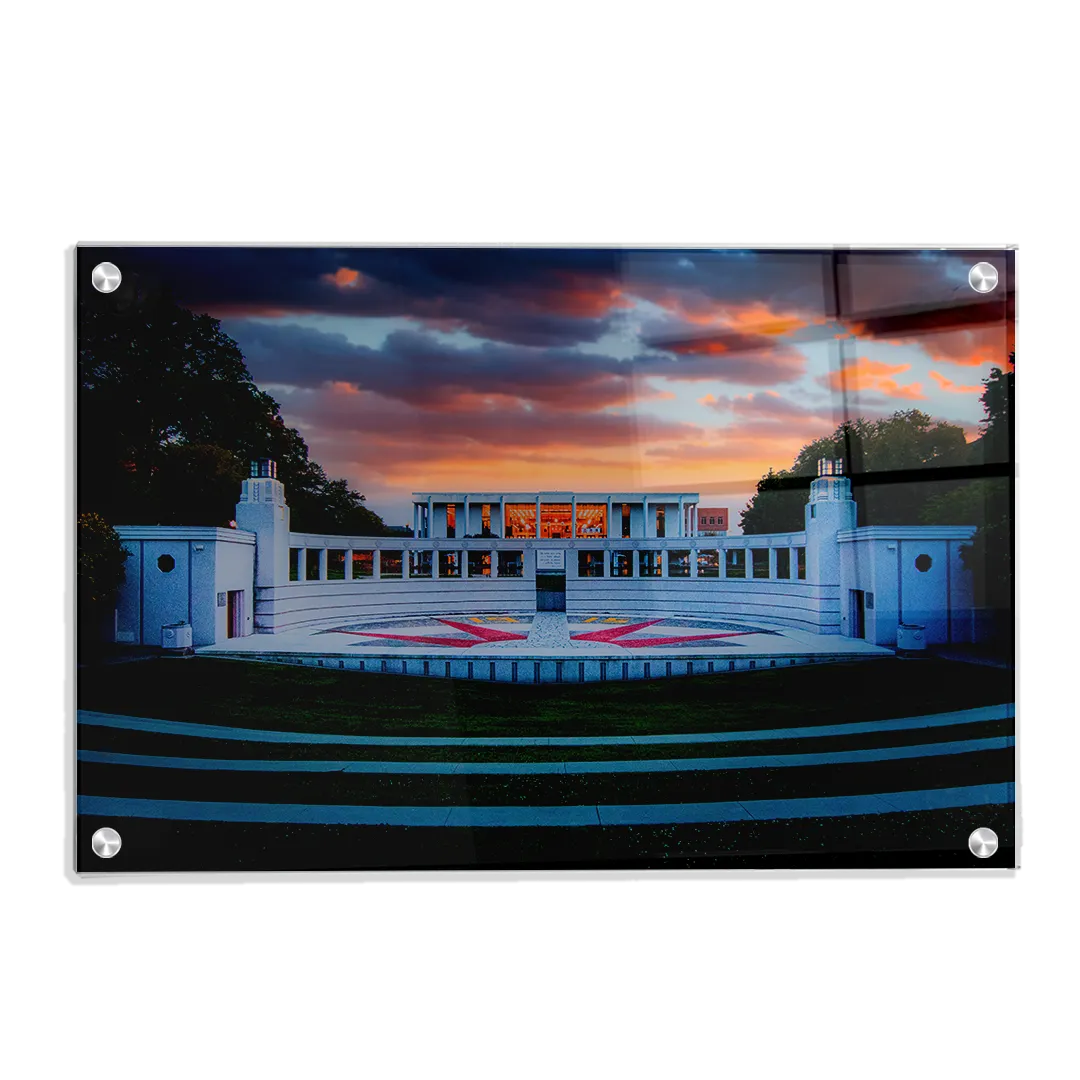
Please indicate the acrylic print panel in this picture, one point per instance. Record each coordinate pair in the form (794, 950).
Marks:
(535, 558)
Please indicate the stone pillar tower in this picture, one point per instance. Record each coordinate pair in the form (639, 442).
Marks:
(830, 510)
(262, 510)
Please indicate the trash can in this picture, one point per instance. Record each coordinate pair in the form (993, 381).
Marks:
(910, 637)
(176, 639)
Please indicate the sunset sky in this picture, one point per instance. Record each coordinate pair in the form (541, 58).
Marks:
(524, 369)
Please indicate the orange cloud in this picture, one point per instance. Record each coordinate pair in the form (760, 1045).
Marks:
(755, 318)
(953, 388)
(874, 375)
(344, 278)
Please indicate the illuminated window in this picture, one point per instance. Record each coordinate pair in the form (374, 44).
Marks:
(449, 564)
(708, 564)
(479, 564)
(485, 519)
(592, 519)
(521, 519)
(451, 520)
(363, 564)
(555, 522)
(661, 527)
(626, 520)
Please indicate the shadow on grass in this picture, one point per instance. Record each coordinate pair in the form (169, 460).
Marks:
(260, 695)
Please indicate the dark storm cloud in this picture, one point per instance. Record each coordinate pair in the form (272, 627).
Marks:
(429, 373)
(561, 297)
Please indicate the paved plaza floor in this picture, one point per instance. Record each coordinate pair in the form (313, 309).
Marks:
(537, 635)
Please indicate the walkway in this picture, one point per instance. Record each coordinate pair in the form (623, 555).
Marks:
(551, 768)
(550, 816)
(216, 731)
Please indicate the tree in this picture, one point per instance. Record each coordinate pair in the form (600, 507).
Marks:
(99, 572)
(989, 556)
(169, 418)
(908, 439)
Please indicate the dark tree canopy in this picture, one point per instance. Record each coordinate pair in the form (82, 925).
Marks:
(169, 418)
(906, 440)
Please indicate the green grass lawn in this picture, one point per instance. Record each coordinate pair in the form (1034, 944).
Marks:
(293, 698)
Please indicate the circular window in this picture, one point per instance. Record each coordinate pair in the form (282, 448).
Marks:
(923, 563)
(166, 563)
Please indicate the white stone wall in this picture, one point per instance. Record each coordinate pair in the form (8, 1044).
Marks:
(206, 562)
(881, 561)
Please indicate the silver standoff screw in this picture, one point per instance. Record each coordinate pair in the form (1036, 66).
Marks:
(983, 843)
(983, 277)
(106, 277)
(106, 843)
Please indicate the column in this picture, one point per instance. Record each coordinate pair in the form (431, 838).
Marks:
(301, 564)
(693, 562)
(537, 517)
(664, 568)
(645, 517)
(793, 564)
(722, 556)
(430, 517)
(607, 530)
(465, 527)
(405, 553)
(376, 564)
(434, 564)
(634, 568)
(682, 516)
(495, 563)
(322, 564)
(573, 516)
(502, 516)
(348, 564)
(772, 563)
